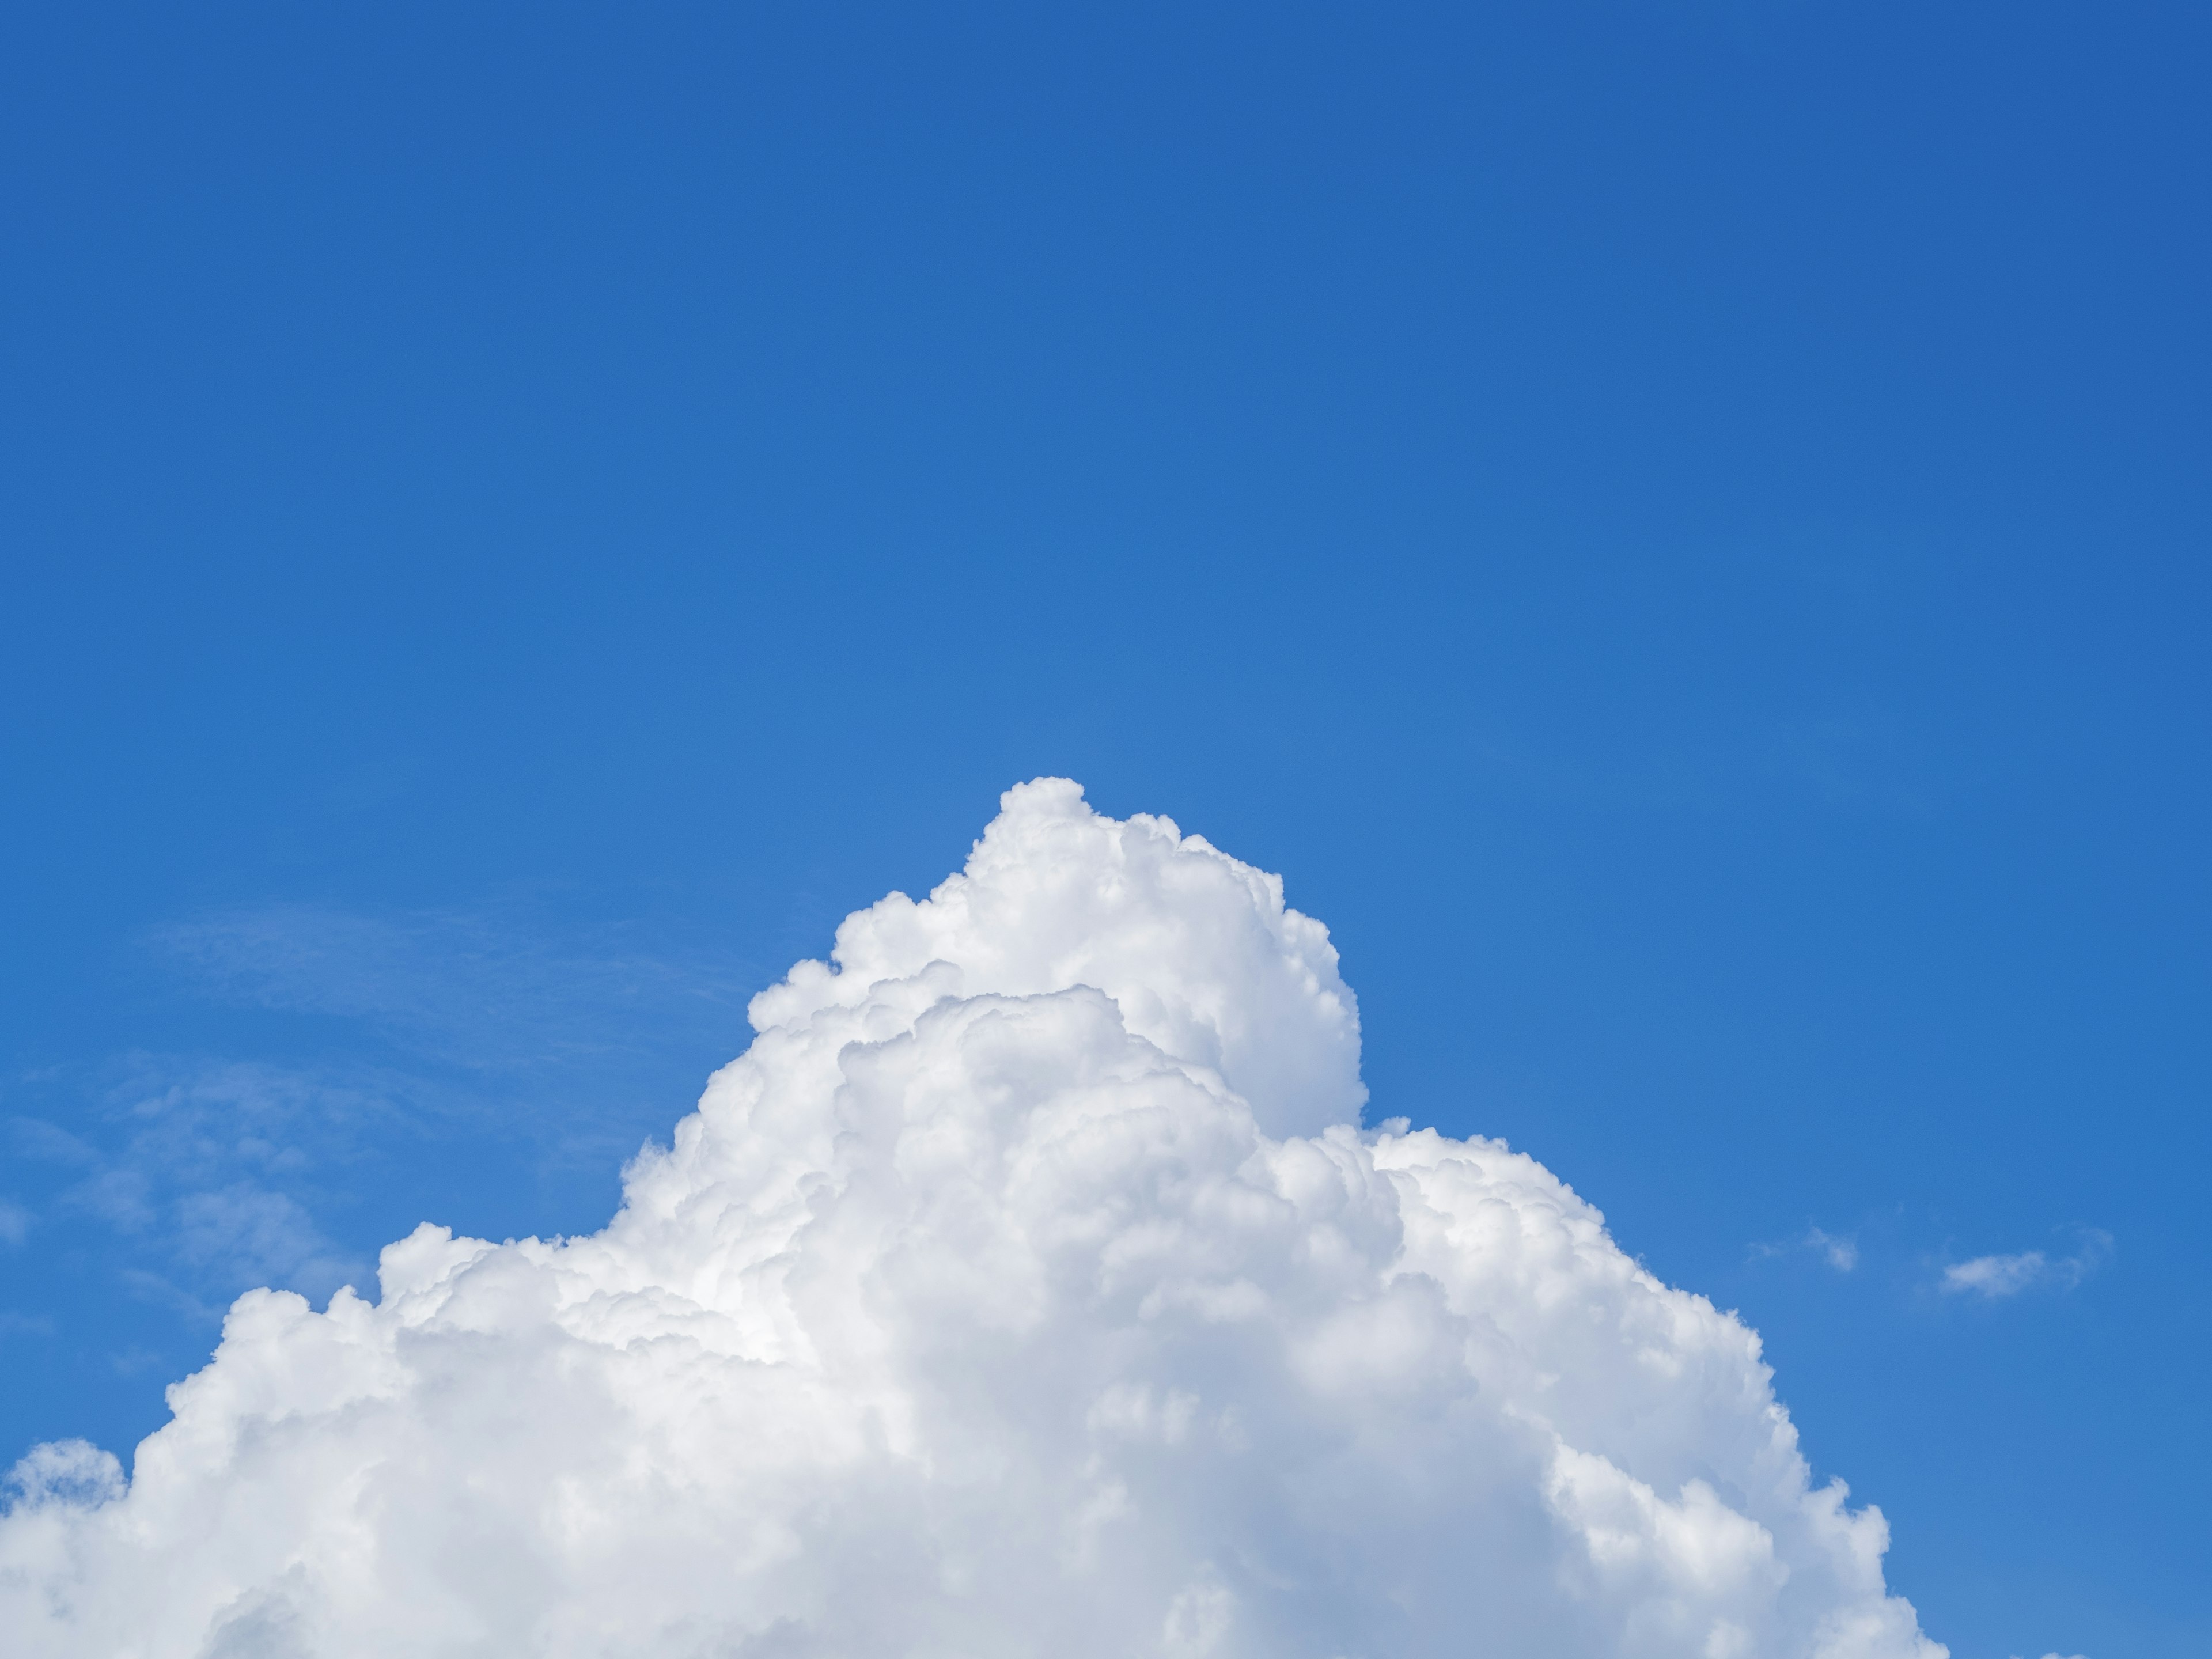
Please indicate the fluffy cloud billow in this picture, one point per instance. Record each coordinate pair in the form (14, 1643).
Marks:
(1025, 1288)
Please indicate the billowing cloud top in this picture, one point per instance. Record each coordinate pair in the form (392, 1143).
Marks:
(1196, 950)
(1025, 1288)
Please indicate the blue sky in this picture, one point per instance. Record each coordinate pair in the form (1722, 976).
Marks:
(1678, 527)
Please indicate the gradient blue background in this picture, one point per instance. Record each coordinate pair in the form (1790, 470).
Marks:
(1679, 527)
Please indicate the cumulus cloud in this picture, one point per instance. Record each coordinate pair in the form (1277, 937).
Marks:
(1993, 1277)
(1026, 1286)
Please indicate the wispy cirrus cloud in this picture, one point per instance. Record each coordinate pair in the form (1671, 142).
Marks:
(1839, 1250)
(417, 1032)
(484, 990)
(214, 1168)
(556, 1034)
(1994, 1277)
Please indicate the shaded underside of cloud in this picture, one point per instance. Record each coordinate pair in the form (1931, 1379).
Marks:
(1025, 1286)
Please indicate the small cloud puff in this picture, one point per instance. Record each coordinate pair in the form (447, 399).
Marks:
(1026, 1286)
(1840, 1253)
(66, 1474)
(1993, 1277)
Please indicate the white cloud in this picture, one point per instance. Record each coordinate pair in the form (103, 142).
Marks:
(1839, 1250)
(14, 1222)
(487, 1020)
(212, 1167)
(1998, 1275)
(1023, 1288)
(1841, 1253)
(482, 989)
(1995, 1277)
(75, 1473)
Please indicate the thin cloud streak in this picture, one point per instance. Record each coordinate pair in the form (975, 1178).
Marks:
(215, 1173)
(482, 990)
(1994, 1277)
(1839, 1250)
